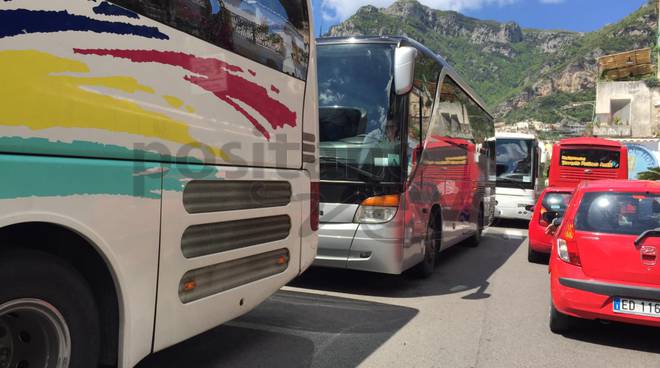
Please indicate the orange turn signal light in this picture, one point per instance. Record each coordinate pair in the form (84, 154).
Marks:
(190, 286)
(390, 200)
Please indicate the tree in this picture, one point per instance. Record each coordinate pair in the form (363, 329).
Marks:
(650, 174)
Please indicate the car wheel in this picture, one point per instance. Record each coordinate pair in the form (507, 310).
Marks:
(534, 256)
(48, 317)
(559, 322)
(425, 268)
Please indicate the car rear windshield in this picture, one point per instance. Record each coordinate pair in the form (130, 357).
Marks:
(618, 213)
(591, 158)
(556, 202)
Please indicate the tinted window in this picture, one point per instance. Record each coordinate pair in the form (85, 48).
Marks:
(618, 213)
(590, 158)
(359, 114)
(420, 103)
(556, 202)
(514, 162)
(272, 32)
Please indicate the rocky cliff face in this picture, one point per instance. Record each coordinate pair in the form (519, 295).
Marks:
(510, 67)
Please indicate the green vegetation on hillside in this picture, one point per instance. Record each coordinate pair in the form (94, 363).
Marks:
(503, 70)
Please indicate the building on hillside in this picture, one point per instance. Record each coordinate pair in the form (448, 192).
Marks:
(628, 106)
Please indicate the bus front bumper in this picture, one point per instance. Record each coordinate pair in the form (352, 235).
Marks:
(513, 207)
(370, 248)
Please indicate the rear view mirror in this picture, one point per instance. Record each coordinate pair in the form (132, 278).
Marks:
(550, 217)
(556, 222)
(404, 69)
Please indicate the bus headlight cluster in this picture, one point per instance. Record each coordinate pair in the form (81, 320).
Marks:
(374, 215)
(377, 210)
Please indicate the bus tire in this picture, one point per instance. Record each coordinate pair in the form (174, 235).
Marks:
(475, 240)
(424, 269)
(47, 313)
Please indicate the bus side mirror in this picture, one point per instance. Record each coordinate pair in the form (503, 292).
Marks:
(404, 69)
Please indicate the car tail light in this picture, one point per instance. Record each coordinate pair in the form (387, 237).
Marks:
(377, 210)
(567, 248)
(314, 199)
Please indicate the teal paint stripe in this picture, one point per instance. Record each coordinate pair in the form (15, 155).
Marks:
(34, 176)
(44, 176)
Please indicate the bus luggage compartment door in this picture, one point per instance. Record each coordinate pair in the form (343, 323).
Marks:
(230, 238)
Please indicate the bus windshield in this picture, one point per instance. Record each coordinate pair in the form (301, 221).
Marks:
(515, 163)
(360, 136)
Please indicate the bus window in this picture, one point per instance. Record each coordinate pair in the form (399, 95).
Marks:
(274, 33)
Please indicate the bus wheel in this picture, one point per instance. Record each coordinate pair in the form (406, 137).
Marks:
(48, 317)
(475, 239)
(425, 268)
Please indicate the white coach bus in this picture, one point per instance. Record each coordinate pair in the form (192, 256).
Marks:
(160, 171)
(519, 160)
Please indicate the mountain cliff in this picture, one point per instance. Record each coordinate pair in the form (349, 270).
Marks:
(520, 73)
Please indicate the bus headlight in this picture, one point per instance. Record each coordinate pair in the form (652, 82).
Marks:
(377, 210)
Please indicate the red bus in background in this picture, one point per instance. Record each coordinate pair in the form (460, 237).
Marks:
(577, 159)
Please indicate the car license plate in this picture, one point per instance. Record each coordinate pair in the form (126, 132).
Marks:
(636, 306)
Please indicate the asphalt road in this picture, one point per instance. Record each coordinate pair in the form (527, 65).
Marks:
(483, 307)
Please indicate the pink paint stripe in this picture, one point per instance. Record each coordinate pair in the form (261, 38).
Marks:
(219, 78)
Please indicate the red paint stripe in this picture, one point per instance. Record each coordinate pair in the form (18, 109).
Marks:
(218, 78)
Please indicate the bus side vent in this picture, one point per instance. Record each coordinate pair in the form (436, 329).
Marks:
(203, 196)
(202, 240)
(211, 280)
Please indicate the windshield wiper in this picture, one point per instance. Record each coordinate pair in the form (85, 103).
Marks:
(365, 174)
(517, 183)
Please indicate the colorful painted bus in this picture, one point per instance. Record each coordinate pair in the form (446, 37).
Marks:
(587, 158)
(405, 171)
(160, 171)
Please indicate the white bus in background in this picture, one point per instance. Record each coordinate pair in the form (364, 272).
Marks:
(158, 159)
(519, 160)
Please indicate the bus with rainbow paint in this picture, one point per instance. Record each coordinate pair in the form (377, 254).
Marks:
(160, 171)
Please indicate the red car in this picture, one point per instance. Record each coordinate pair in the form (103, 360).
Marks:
(604, 260)
(551, 204)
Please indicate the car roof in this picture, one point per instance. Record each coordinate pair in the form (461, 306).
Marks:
(589, 141)
(619, 186)
(559, 190)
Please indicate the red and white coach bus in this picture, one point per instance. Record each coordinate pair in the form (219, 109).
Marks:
(405, 171)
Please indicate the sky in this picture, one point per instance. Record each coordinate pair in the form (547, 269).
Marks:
(573, 15)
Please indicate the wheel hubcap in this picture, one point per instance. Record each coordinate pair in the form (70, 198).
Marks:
(33, 334)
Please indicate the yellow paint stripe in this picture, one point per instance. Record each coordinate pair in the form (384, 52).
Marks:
(173, 101)
(33, 96)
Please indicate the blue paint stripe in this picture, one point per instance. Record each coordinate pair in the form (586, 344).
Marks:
(22, 21)
(105, 8)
